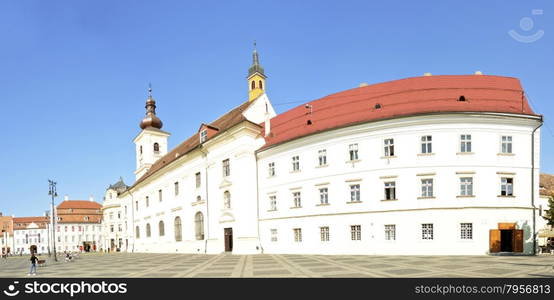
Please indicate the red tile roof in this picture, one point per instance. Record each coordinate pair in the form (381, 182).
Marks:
(75, 204)
(224, 123)
(30, 219)
(400, 98)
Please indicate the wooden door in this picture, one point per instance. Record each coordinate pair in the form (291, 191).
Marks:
(517, 240)
(228, 234)
(494, 241)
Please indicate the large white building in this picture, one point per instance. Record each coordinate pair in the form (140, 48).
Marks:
(31, 234)
(423, 165)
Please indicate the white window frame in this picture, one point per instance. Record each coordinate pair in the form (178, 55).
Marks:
(322, 157)
(297, 235)
(353, 152)
(390, 232)
(272, 202)
(271, 169)
(426, 144)
(297, 199)
(427, 189)
(355, 193)
(465, 143)
(388, 147)
(356, 232)
(324, 195)
(295, 163)
(324, 233)
(505, 187)
(466, 231)
(506, 144)
(391, 185)
(226, 165)
(203, 136)
(274, 235)
(466, 186)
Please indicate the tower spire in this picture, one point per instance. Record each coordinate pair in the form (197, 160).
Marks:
(150, 120)
(256, 76)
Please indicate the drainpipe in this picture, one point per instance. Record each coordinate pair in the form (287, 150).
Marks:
(258, 204)
(533, 186)
(207, 233)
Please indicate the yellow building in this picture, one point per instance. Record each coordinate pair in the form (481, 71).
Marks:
(256, 77)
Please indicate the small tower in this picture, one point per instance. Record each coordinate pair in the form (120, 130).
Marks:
(256, 77)
(151, 142)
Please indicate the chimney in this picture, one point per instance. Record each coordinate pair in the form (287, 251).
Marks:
(427, 74)
(478, 73)
(65, 198)
(91, 198)
(267, 125)
(363, 84)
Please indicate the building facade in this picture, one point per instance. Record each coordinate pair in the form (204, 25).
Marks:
(6, 234)
(78, 225)
(115, 222)
(423, 165)
(31, 234)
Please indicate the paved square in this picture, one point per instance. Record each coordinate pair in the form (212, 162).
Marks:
(266, 265)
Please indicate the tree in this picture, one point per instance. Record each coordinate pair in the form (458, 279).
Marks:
(549, 213)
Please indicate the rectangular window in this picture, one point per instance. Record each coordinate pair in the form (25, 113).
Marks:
(389, 147)
(274, 235)
(507, 186)
(427, 188)
(355, 193)
(322, 157)
(466, 186)
(273, 202)
(390, 190)
(353, 151)
(356, 232)
(324, 232)
(271, 169)
(427, 231)
(324, 196)
(466, 231)
(506, 144)
(390, 232)
(297, 199)
(426, 144)
(176, 184)
(136, 205)
(198, 180)
(111, 228)
(226, 168)
(465, 143)
(203, 135)
(297, 234)
(296, 163)
(160, 195)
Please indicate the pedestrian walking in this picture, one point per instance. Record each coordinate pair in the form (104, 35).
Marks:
(34, 259)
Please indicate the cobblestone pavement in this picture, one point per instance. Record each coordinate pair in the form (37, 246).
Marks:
(227, 265)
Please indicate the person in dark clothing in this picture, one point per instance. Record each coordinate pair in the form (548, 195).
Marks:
(34, 259)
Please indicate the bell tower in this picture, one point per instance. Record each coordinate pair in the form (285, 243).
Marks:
(151, 142)
(256, 77)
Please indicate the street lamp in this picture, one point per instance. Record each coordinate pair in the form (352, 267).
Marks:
(52, 192)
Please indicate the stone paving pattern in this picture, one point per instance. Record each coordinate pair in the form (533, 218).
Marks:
(266, 265)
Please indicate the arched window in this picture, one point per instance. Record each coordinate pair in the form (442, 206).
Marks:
(178, 236)
(260, 85)
(199, 225)
(226, 199)
(148, 230)
(156, 147)
(140, 149)
(253, 85)
(137, 232)
(198, 198)
(161, 228)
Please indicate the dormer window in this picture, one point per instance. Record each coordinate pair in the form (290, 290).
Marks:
(156, 147)
(203, 135)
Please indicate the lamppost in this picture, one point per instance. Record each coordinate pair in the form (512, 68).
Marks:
(52, 192)
(48, 235)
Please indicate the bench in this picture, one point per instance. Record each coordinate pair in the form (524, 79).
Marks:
(41, 262)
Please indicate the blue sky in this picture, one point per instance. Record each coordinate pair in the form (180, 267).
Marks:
(74, 74)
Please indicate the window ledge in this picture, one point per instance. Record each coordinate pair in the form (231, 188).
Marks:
(269, 177)
(198, 202)
(295, 207)
(426, 154)
(322, 166)
(323, 204)
(294, 171)
(506, 196)
(385, 200)
(353, 202)
(465, 196)
(465, 153)
(353, 161)
(426, 197)
(270, 210)
(505, 154)
(387, 157)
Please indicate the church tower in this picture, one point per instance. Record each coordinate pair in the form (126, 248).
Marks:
(151, 142)
(256, 77)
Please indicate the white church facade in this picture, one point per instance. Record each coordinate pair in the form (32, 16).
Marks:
(422, 165)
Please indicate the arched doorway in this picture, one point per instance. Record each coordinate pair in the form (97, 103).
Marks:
(33, 249)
